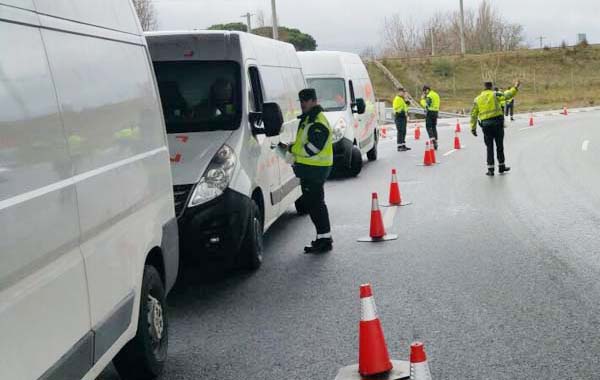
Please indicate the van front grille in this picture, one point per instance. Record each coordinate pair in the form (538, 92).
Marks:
(182, 193)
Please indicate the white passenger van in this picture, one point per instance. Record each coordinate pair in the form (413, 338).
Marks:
(88, 235)
(346, 93)
(228, 98)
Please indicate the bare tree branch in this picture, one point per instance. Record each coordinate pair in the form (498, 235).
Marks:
(146, 13)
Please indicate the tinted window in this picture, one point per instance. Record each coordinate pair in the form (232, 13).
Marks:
(330, 92)
(199, 96)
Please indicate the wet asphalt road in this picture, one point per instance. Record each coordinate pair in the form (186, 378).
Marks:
(500, 277)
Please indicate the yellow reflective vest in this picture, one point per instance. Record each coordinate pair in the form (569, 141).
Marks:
(400, 105)
(431, 102)
(325, 156)
(487, 105)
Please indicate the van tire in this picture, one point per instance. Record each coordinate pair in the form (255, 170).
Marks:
(356, 162)
(252, 246)
(372, 154)
(144, 356)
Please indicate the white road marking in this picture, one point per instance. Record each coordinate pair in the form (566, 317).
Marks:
(585, 145)
(526, 128)
(449, 153)
(388, 217)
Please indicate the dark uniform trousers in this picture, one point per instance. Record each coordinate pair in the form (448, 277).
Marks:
(401, 127)
(313, 199)
(431, 124)
(510, 108)
(493, 132)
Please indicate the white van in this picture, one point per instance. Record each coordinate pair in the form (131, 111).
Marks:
(88, 235)
(346, 93)
(223, 94)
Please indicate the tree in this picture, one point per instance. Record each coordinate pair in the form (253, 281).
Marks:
(146, 13)
(235, 26)
(485, 31)
(260, 18)
(300, 40)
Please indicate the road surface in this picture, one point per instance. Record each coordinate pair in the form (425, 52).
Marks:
(500, 277)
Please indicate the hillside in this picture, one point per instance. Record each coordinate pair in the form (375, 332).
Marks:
(551, 78)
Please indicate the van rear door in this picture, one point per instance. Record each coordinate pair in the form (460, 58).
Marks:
(44, 306)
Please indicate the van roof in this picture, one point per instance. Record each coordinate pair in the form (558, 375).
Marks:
(218, 45)
(331, 63)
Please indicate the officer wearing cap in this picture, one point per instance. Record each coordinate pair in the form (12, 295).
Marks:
(313, 159)
(430, 100)
(487, 112)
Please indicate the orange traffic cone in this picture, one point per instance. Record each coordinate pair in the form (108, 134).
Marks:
(457, 145)
(457, 126)
(565, 111)
(418, 132)
(383, 131)
(373, 356)
(531, 120)
(377, 229)
(432, 150)
(427, 161)
(419, 369)
(395, 196)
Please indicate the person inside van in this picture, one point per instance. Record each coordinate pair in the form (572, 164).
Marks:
(221, 99)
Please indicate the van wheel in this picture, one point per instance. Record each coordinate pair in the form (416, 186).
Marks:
(144, 356)
(372, 154)
(355, 162)
(252, 246)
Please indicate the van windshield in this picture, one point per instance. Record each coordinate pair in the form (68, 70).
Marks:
(331, 92)
(199, 96)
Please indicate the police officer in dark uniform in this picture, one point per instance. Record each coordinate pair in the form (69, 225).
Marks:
(313, 159)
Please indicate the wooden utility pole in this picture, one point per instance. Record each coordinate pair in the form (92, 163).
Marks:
(248, 17)
(275, 26)
(432, 43)
(541, 41)
(463, 48)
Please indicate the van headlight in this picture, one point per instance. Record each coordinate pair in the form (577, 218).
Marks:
(339, 130)
(216, 178)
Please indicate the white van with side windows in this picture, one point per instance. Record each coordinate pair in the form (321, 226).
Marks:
(228, 98)
(345, 91)
(88, 235)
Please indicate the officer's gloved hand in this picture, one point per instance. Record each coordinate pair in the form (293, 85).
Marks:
(474, 132)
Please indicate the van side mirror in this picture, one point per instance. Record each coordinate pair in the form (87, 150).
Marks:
(272, 119)
(361, 107)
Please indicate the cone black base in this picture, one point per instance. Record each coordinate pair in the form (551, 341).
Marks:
(400, 371)
(369, 239)
(403, 204)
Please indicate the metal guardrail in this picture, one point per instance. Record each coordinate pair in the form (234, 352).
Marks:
(388, 114)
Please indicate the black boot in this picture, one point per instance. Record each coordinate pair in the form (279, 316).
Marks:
(435, 144)
(490, 172)
(503, 169)
(319, 246)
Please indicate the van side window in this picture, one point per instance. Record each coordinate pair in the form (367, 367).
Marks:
(257, 94)
(352, 96)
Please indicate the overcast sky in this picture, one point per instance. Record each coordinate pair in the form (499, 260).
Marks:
(352, 25)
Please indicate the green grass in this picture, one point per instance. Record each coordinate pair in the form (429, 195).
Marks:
(550, 78)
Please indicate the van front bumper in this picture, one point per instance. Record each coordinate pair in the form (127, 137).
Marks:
(342, 153)
(216, 229)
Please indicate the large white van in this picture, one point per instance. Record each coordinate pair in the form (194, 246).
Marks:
(88, 235)
(346, 93)
(223, 94)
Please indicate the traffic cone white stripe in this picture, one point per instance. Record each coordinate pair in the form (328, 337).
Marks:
(368, 310)
(374, 204)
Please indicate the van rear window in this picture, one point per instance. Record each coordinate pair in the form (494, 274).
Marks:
(331, 92)
(199, 96)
